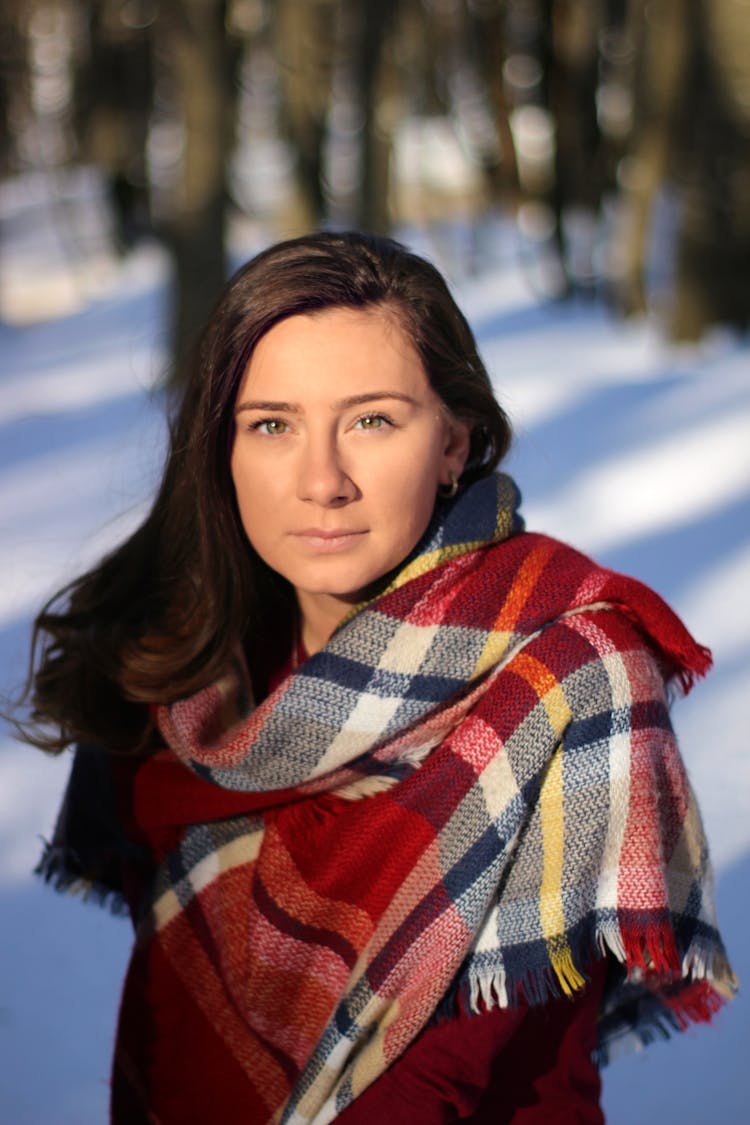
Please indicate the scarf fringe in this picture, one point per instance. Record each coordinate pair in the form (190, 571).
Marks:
(60, 868)
(497, 989)
(659, 1017)
(680, 992)
(652, 950)
(697, 663)
(698, 1002)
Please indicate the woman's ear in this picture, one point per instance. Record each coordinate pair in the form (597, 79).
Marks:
(456, 450)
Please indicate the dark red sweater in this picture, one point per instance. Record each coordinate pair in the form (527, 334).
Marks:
(528, 1066)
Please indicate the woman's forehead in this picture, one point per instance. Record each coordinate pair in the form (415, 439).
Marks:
(341, 351)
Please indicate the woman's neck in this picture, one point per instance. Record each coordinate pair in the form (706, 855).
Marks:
(319, 615)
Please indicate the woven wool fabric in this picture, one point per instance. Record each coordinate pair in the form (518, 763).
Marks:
(473, 790)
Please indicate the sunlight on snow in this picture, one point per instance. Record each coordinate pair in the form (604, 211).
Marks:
(718, 605)
(74, 386)
(538, 375)
(717, 761)
(630, 496)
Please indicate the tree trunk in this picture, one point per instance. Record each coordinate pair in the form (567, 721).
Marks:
(374, 23)
(305, 33)
(202, 63)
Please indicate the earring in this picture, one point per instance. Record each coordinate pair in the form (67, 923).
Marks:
(448, 491)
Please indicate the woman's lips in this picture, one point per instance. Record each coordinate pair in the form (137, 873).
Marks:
(328, 541)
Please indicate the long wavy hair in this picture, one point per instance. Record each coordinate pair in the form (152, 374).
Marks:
(163, 615)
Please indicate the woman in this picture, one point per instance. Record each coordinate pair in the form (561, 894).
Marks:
(388, 783)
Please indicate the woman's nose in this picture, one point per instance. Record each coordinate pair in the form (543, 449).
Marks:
(322, 475)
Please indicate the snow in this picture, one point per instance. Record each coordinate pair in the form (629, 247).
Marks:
(634, 451)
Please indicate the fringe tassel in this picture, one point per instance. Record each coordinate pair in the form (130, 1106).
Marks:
(659, 993)
(567, 973)
(656, 1016)
(490, 988)
(652, 950)
(697, 1002)
(697, 663)
(59, 868)
(495, 990)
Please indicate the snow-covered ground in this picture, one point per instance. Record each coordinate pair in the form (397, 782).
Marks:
(634, 451)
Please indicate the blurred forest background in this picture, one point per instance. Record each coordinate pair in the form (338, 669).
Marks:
(615, 132)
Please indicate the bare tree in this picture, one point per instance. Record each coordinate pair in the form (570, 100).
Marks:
(200, 63)
(113, 99)
(305, 40)
(691, 135)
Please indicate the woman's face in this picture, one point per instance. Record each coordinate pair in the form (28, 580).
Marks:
(340, 446)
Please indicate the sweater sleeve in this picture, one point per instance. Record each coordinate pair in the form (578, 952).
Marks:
(525, 1065)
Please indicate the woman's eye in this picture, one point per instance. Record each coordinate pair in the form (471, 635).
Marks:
(271, 426)
(372, 421)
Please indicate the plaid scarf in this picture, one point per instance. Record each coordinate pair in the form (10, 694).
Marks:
(472, 791)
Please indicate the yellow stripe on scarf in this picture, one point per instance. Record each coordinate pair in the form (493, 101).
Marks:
(424, 563)
(550, 898)
(552, 810)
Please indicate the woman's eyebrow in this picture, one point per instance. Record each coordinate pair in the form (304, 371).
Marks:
(339, 404)
(371, 396)
(263, 404)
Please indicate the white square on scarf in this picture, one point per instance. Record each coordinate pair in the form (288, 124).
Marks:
(407, 649)
(361, 730)
(372, 713)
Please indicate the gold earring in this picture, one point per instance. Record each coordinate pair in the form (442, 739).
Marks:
(448, 491)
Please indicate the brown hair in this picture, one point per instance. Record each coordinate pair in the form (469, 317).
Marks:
(162, 616)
